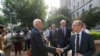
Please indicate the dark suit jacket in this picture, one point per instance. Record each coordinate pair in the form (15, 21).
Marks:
(53, 38)
(86, 47)
(63, 40)
(38, 47)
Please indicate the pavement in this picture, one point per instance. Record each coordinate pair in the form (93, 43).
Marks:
(24, 53)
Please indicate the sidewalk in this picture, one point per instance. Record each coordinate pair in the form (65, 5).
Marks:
(24, 53)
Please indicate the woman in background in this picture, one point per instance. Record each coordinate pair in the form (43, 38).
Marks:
(17, 43)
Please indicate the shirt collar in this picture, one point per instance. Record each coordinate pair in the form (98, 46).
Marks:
(63, 27)
(79, 32)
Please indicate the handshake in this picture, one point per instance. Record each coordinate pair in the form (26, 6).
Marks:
(59, 50)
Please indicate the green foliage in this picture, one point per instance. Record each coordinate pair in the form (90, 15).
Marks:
(56, 20)
(3, 20)
(64, 11)
(25, 10)
(91, 17)
(95, 35)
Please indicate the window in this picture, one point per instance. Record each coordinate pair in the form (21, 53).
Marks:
(74, 0)
(91, 0)
(73, 15)
(90, 6)
(78, 4)
(83, 1)
(77, 14)
(74, 7)
(82, 10)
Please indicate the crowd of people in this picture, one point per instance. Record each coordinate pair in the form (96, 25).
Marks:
(57, 41)
(22, 41)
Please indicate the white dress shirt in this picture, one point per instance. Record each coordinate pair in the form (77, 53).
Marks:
(64, 30)
(80, 33)
(80, 37)
(28, 35)
(47, 33)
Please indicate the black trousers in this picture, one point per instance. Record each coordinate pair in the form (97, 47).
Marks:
(27, 44)
(54, 44)
(55, 54)
(64, 54)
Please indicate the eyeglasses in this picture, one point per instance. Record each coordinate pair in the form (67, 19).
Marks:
(76, 25)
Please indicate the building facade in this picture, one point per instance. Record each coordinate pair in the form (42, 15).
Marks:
(77, 7)
(65, 3)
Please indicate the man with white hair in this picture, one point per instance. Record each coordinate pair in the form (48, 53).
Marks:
(64, 34)
(38, 46)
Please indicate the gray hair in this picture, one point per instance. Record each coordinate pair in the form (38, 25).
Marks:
(36, 21)
(53, 25)
(79, 22)
(62, 21)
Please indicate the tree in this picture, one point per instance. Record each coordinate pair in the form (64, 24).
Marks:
(56, 20)
(64, 11)
(25, 11)
(91, 17)
(3, 20)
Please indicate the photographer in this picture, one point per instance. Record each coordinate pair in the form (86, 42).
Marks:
(2, 39)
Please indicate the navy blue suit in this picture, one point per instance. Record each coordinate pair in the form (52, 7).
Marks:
(86, 47)
(38, 47)
(63, 40)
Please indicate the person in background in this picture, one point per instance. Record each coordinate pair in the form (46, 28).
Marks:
(85, 28)
(2, 39)
(53, 37)
(46, 35)
(47, 32)
(17, 43)
(27, 34)
(64, 34)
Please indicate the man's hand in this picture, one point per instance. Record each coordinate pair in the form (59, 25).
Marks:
(78, 54)
(59, 50)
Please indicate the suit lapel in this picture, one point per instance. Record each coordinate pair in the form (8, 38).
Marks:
(61, 31)
(73, 39)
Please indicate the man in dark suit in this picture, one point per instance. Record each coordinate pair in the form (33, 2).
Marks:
(81, 43)
(64, 34)
(38, 47)
(53, 37)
